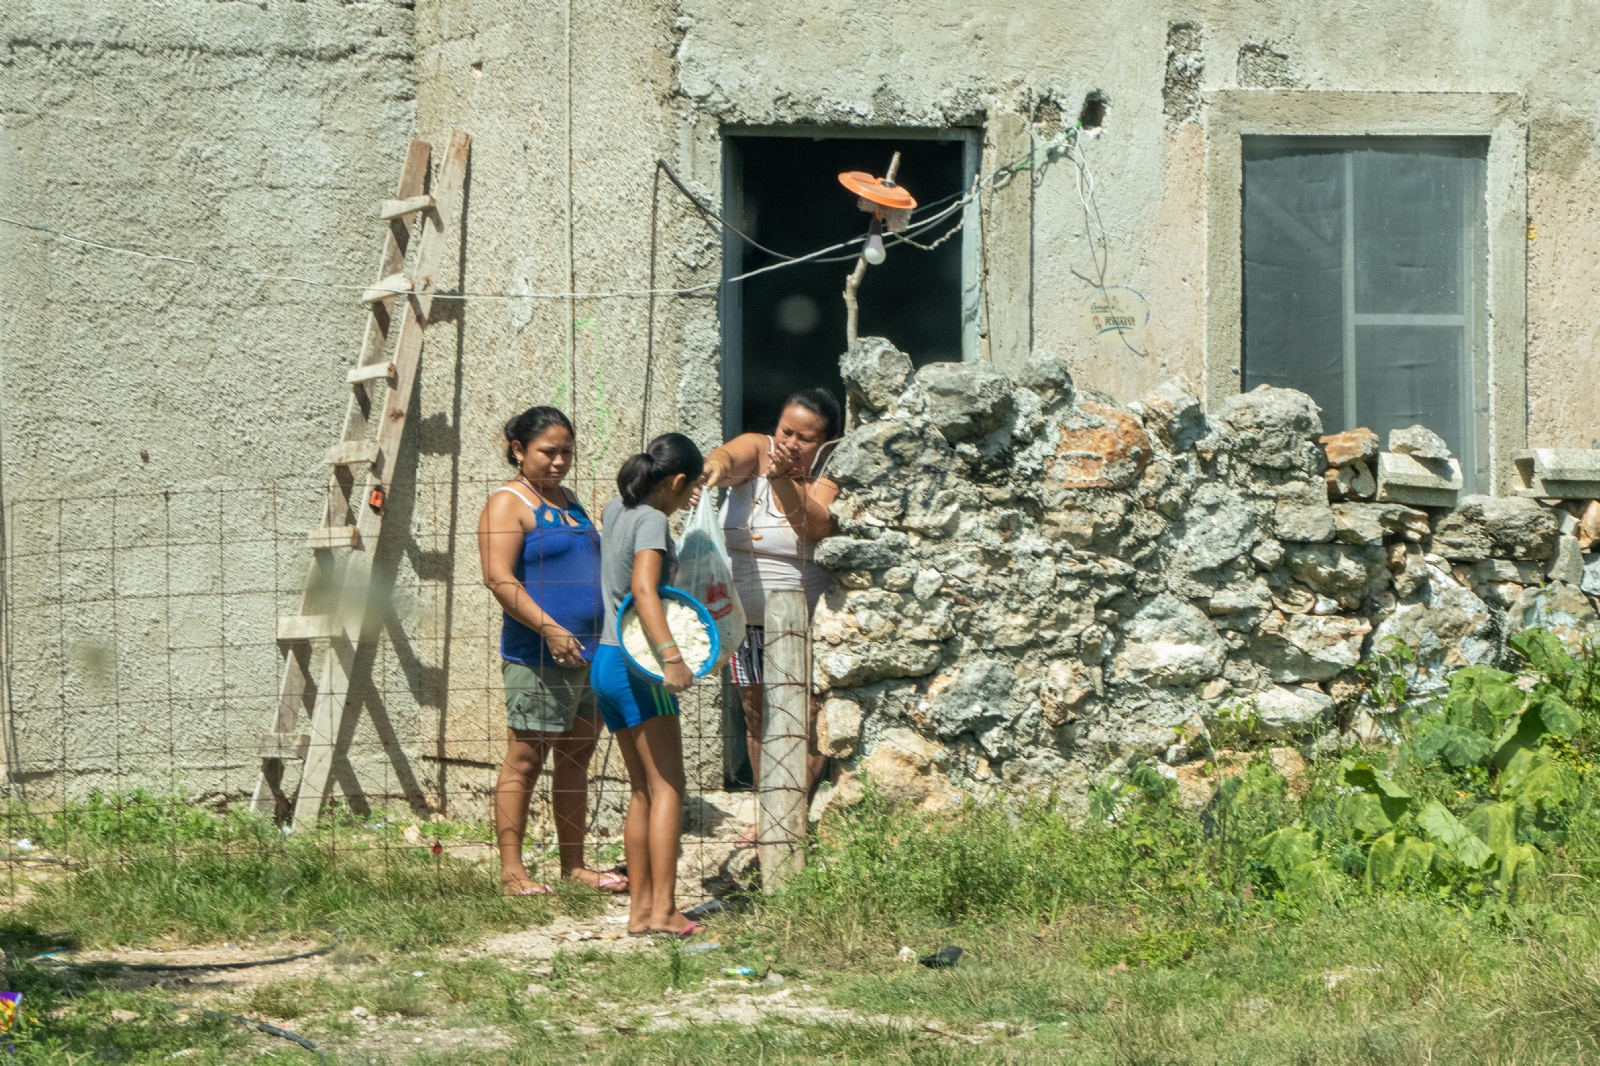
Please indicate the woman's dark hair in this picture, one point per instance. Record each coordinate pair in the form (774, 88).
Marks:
(668, 456)
(819, 402)
(530, 425)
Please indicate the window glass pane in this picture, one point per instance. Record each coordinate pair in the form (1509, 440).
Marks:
(1363, 284)
(1293, 262)
(1408, 232)
(1407, 375)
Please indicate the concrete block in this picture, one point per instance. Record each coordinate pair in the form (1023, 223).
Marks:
(1418, 482)
(1558, 473)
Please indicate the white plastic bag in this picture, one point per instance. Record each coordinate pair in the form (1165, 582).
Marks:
(706, 573)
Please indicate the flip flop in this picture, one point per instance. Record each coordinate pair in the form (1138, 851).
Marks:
(694, 927)
(610, 882)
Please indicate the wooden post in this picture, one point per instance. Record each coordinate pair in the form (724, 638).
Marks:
(782, 828)
(853, 281)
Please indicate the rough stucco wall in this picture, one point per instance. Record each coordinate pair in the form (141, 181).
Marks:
(497, 71)
(240, 134)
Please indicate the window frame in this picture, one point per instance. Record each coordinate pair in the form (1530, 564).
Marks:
(1231, 115)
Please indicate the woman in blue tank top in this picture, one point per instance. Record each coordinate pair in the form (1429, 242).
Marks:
(541, 559)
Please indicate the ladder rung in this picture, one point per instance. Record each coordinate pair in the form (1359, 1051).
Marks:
(282, 745)
(296, 627)
(352, 453)
(330, 537)
(371, 372)
(395, 208)
(393, 285)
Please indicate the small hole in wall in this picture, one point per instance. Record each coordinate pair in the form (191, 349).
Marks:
(477, 70)
(1093, 115)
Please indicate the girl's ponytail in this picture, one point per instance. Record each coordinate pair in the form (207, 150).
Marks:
(667, 456)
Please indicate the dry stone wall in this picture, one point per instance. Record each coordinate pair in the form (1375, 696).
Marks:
(1035, 581)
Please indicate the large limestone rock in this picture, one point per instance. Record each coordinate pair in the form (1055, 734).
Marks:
(1418, 441)
(1443, 622)
(962, 701)
(1510, 527)
(904, 767)
(839, 727)
(1559, 607)
(1302, 513)
(848, 553)
(1268, 426)
(1047, 375)
(1308, 647)
(1302, 711)
(1349, 446)
(1217, 529)
(966, 400)
(1170, 642)
(1175, 418)
(1370, 523)
(1098, 445)
(1346, 573)
(875, 373)
(863, 663)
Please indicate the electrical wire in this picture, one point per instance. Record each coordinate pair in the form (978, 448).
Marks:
(820, 255)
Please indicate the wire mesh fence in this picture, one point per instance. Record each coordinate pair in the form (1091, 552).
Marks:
(142, 665)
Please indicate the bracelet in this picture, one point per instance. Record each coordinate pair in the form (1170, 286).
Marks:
(674, 662)
(667, 644)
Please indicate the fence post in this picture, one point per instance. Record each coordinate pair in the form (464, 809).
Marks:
(787, 670)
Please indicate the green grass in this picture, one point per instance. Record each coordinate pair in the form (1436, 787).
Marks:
(148, 868)
(1270, 927)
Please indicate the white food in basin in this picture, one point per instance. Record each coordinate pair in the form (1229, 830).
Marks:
(694, 643)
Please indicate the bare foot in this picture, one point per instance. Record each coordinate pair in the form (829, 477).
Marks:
(610, 881)
(676, 924)
(518, 883)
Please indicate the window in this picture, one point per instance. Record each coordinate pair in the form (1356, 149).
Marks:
(1364, 282)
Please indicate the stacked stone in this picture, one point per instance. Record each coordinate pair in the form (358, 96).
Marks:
(1036, 582)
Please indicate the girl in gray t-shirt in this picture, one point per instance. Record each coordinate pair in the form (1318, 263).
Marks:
(636, 556)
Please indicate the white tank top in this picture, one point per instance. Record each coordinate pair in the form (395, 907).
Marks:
(765, 551)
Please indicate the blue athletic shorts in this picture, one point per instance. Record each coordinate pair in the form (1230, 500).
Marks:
(626, 698)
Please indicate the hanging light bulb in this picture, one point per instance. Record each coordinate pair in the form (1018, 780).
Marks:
(874, 252)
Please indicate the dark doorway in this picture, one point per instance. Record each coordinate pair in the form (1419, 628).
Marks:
(785, 330)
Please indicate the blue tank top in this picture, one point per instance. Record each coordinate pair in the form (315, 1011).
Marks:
(560, 567)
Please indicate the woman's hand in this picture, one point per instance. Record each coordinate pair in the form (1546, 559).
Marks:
(567, 649)
(715, 473)
(678, 677)
(786, 461)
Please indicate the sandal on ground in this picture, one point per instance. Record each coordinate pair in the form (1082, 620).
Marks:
(667, 934)
(611, 882)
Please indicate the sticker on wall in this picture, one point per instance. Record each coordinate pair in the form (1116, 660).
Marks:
(1117, 316)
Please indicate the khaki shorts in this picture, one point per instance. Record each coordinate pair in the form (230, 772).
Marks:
(546, 699)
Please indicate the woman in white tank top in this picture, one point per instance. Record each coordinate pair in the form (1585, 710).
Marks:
(775, 511)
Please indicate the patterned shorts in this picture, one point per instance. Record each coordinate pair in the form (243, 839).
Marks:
(747, 664)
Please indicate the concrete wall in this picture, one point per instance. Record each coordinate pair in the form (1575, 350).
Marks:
(262, 133)
(239, 134)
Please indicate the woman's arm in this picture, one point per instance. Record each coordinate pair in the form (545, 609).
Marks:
(500, 537)
(653, 617)
(736, 461)
(805, 504)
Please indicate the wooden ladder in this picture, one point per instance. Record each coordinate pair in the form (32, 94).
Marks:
(333, 608)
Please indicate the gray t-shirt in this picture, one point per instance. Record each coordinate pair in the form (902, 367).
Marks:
(626, 531)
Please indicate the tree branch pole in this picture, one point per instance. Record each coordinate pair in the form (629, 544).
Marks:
(853, 282)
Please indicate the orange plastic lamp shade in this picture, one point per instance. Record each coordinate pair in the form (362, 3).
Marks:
(877, 190)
